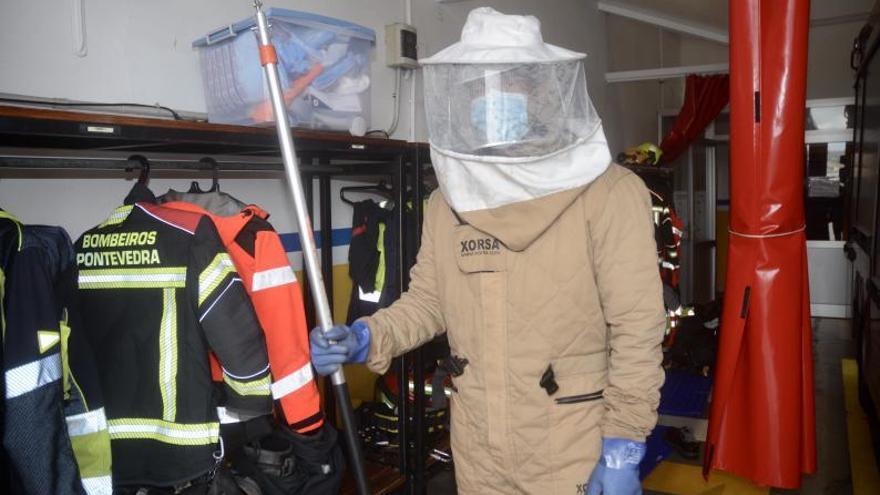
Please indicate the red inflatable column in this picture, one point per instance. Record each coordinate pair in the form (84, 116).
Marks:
(762, 421)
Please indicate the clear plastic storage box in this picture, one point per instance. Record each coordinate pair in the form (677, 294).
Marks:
(324, 64)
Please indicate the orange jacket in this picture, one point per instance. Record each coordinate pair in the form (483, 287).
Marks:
(260, 259)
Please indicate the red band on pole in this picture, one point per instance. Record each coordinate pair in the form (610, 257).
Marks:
(268, 55)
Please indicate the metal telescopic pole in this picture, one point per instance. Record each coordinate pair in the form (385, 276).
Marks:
(269, 60)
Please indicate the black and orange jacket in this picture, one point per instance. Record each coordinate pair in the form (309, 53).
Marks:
(260, 259)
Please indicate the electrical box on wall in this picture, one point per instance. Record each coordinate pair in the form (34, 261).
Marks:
(400, 46)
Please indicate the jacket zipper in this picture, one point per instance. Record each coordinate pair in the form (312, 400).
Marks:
(574, 399)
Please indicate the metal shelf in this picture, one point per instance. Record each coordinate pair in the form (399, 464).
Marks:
(48, 129)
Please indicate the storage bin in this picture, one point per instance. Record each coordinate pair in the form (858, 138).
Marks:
(323, 63)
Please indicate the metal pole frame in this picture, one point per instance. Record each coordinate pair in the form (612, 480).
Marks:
(403, 407)
(269, 60)
(415, 217)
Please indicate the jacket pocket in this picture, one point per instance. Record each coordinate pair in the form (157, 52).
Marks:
(581, 378)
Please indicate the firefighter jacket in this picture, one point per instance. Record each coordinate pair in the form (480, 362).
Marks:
(556, 305)
(156, 292)
(667, 230)
(261, 262)
(38, 455)
(83, 400)
(9, 241)
(371, 259)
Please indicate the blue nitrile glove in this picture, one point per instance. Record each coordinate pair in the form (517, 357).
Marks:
(351, 345)
(617, 472)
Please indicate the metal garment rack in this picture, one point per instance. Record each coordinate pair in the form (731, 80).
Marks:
(396, 171)
(41, 142)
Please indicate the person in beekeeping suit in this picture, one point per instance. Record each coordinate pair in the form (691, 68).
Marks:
(538, 260)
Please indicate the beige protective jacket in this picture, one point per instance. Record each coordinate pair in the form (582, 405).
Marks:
(568, 281)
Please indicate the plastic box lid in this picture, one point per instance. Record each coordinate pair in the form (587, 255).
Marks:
(293, 16)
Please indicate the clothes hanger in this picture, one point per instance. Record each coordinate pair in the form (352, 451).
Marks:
(195, 188)
(381, 189)
(144, 165)
(215, 173)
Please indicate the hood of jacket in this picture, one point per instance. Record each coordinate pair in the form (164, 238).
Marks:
(515, 201)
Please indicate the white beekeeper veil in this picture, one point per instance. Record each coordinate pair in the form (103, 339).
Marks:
(509, 117)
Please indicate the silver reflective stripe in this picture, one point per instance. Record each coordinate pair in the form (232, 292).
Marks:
(275, 277)
(86, 423)
(164, 431)
(118, 431)
(292, 382)
(98, 485)
(146, 277)
(31, 376)
(228, 416)
(132, 279)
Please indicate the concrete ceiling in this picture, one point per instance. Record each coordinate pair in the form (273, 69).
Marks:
(714, 12)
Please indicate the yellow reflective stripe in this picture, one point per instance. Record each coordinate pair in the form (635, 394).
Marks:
(168, 355)
(9, 216)
(261, 386)
(2, 298)
(92, 452)
(118, 216)
(380, 270)
(133, 278)
(164, 431)
(17, 222)
(213, 275)
(65, 363)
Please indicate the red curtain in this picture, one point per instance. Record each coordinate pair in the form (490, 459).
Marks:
(761, 421)
(704, 98)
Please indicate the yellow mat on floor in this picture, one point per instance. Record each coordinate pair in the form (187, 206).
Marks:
(865, 478)
(687, 479)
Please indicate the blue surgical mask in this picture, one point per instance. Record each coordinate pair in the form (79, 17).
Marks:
(503, 117)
